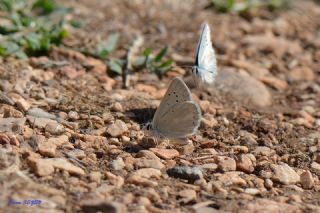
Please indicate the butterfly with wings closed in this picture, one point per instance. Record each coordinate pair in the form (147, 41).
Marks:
(205, 68)
(177, 115)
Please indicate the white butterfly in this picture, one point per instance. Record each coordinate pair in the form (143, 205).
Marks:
(177, 115)
(205, 67)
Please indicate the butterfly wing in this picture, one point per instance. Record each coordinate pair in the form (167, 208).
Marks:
(177, 92)
(181, 120)
(206, 59)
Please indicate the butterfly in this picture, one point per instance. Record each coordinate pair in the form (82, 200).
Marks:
(177, 115)
(205, 67)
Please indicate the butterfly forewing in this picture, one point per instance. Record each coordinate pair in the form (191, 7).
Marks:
(206, 59)
(180, 120)
(177, 92)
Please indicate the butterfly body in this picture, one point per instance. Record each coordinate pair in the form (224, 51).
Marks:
(205, 68)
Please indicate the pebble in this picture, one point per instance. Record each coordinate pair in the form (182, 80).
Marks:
(9, 111)
(95, 176)
(209, 166)
(15, 125)
(148, 163)
(115, 180)
(187, 195)
(226, 164)
(315, 166)
(301, 74)
(117, 107)
(47, 149)
(4, 99)
(165, 153)
(232, 179)
(268, 183)
(60, 140)
(148, 173)
(284, 174)
(40, 113)
(96, 205)
(118, 164)
(77, 153)
(208, 121)
(229, 81)
(73, 115)
(54, 128)
(244, 164)
(39, 122)
(40, 167)
(263, 150)
(252, 191)
(147, 154)
(63, 164)
(22, 104)
(306, 179)
(185, 172)
(268, 205)
(117, 128)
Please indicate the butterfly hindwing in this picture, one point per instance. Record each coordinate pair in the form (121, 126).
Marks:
(181, 120)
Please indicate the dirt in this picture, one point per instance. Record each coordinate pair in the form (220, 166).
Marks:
(258, 145)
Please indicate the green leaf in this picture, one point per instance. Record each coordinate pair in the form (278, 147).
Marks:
(147, 52)
(115, 66)
(45, 6)
(160, 55)
(21, 54)
(167, 64)
(112, 42)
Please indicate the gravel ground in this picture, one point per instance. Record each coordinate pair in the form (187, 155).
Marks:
(72, 138)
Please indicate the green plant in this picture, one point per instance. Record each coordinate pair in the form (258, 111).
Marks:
(30, 29)
(155, 64)
(245, 6)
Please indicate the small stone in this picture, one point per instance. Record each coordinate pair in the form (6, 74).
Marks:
(306, 180)
(91, 206)
(252, 191)
(187, 195)
(117, 128)
(54, 128)
(186, 149)
(263, 150)
(138, 180)
(232, 178)
(301, 74)
(226, 164)
(39, 122)
(147, 154)
(60, 140)
(165, 153)
(73, 115)
(22, 104)
(115, 180)
(209, 166)
(284, 174)
(274, 82)
(12, 125)
(148, 142)
(9, 111)
(118, 164)
(148, 173)
(208, 121)
(47, 149)
(77, 153)
(185, 172)
(63, 164)
(40, 167)
(95, 177)
(244, 164)
(315, 166)
(40, 113)
(117, 107)
(268, 183)
(148, 163)
(317, 158)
